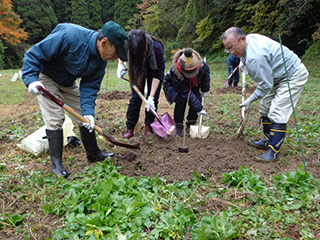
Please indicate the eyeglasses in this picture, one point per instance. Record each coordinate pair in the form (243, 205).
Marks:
(232, 48)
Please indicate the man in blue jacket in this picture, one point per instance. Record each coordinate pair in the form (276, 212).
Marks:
(263, 61)
(232, 63)
(68, 53)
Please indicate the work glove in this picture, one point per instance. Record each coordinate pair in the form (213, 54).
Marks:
(89, 126)
(204, 94)
(231, 70)
(202, 112)
(121, 71)
(246, 104)
(32, 87)
(150, 103)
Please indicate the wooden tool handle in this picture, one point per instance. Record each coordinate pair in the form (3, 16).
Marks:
(243, 74)
(146, 102)
(139, 93)
(48, 95)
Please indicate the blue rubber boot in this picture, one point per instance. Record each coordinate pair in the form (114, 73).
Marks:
(277, 136)
(263, 143)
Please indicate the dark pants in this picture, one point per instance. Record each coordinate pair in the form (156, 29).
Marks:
(234, 78)
(181, 106)
(134, 107)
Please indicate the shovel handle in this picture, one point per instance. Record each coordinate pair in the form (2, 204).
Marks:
(111, 139)
(200, 118)
(234, 70)
(145, 101)
(200, 124)
(226, 82)
(243, 93)
(48, 95)
(244, 114)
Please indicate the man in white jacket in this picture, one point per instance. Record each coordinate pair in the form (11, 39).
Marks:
(263, 61)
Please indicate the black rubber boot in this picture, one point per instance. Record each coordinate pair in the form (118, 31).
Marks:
(179, 129)
(277, 136)
(55, 139)
(89, 141)
(263, 143)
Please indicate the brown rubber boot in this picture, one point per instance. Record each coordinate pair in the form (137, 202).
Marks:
(128, 134)
(148, 130)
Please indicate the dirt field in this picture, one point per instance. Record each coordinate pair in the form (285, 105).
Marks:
(157, 156)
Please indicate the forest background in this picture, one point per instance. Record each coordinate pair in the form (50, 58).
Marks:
(178, 23)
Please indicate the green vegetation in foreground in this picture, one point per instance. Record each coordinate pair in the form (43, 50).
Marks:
(100, 203)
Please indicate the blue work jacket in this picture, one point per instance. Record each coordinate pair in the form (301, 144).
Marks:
(68, 53)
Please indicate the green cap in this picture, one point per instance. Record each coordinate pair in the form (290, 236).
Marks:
(117, 36)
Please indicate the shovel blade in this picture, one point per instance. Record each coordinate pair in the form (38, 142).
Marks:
(164, 126)
(203, 133)
(225, 84)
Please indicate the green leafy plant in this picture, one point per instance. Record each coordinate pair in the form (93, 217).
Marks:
(215, 227)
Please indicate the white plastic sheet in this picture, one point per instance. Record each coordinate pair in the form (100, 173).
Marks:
(37, 143)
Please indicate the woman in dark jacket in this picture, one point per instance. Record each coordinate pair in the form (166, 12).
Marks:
(189, 74)
(146, 65)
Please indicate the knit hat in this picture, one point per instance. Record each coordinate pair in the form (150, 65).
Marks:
(189, 63)
(117, 36)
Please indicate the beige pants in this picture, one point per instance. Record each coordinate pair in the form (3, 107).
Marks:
(277, 103)
(53, 115)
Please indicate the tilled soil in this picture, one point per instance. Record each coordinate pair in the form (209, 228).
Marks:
(157, 156)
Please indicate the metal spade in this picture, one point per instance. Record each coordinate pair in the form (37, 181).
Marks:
(199, 131)
(163, 125)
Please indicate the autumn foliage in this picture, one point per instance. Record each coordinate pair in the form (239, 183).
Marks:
(9, 24)
(145, 4)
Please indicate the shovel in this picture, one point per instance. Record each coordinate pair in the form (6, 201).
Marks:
(226, 82)
(108, 137)
(199, 131)
(184, 148)
(244, 114)
(165, 124)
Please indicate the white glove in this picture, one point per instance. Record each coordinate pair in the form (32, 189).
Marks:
(150, 104)
(202, 112)
(89, 126)
(204, 94)
(33, 88)
(121, 71)
(246, 104)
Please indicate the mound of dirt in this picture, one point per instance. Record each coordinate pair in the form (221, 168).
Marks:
(209, 157)
(238, 90)
(114, 95)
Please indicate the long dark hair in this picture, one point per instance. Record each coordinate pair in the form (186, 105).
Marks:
(137, 47)
(154, 38)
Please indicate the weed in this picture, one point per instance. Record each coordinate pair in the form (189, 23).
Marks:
(118, 124)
